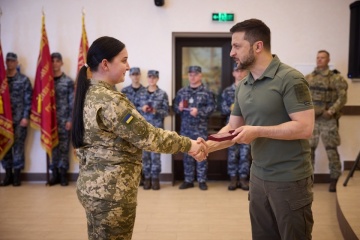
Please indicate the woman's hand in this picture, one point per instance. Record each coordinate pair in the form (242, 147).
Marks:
(199, 149)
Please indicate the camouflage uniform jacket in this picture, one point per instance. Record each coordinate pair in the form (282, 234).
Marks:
(328, 91)
(227, 101)
(64, 96)
(115, 134)
(20, 96)
(130, 93)
(158, 100)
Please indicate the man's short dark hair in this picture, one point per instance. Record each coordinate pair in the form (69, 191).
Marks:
(255, 30)
(324, 51)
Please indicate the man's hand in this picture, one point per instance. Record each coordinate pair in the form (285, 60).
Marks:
(68, 126)
(181, 106)
(194, 112)
(24, 122)
(328, 114)
(199, 149)
(246, 134)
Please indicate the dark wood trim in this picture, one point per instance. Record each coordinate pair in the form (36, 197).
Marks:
(40, 177)
(165, 177)
(349, 164)
(351, 110)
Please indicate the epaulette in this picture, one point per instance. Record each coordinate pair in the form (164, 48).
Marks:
(335, 71)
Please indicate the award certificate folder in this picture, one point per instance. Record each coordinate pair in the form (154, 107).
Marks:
(219, 137)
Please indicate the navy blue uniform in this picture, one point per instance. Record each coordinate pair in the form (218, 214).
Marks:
(64, 96)
(159, 101)
(194, 127)
(238, 154)
(20, 98)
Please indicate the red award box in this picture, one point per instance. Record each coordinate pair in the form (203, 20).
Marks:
(219, 137)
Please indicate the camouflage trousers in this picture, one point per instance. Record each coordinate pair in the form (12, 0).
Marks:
(15, 157)
(151, 164)
(239, 160)
(108, 220)
(189, 169)
(328, 130)
(60, 154)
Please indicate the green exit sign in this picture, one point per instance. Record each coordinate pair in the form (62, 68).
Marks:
(223, 17)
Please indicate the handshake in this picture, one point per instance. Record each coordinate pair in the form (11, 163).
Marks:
(199, 149)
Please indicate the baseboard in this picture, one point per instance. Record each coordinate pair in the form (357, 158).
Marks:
(164, 177)
(349, 164)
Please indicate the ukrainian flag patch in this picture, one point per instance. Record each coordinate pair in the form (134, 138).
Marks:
(128, 118)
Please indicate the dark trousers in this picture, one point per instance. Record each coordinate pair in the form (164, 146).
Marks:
(281, 210)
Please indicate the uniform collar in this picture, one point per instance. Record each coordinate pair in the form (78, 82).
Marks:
(102, 83)
(269, 72)
(324, 72)
(201, 86)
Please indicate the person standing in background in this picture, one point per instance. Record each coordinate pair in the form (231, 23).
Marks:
(329, 94)
(239, 155)
(131, 93)
(64, 96)
(194, 104)
(132, 90)
(20, 98)
(153, 104)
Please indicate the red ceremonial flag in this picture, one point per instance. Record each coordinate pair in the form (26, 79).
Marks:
(6, 123)
(84, 46)
(43, 108)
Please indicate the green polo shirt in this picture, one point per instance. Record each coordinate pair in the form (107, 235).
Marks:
(268, 101)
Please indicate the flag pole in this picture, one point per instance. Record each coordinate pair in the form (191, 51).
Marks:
(47, 155)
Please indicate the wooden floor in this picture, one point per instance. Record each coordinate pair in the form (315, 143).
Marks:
(34, 211)
(348, 205)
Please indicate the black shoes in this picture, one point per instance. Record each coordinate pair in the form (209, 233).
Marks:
(151, 183)
(233, 183)
(244, 184)
(155, 184)
(186, 185)
(55, 177)
(17, 179)
(147, 184)
(332, 187)
(59, 177)
(9, 178)
(203, 186)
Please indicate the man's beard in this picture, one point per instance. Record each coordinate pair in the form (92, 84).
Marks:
(245, 65)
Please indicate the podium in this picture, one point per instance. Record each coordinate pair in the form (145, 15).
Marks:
(351, 173)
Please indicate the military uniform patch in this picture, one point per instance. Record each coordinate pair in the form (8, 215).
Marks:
(302, 93)
(128, 118)
(135, 125)
(139, 128)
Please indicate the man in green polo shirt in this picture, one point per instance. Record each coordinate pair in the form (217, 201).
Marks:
(273, 112)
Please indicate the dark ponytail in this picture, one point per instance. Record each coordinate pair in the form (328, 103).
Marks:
(102, 48)
(77, 131)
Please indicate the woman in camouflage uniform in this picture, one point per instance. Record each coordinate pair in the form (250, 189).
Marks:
(109, 135)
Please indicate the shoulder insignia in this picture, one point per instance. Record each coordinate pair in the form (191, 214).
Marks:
(302, 93)
(128, 118)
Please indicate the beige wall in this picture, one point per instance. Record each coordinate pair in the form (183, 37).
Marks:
(299, 29)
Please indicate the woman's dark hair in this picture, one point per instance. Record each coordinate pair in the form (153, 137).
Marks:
(102, 48)
(255, 30)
